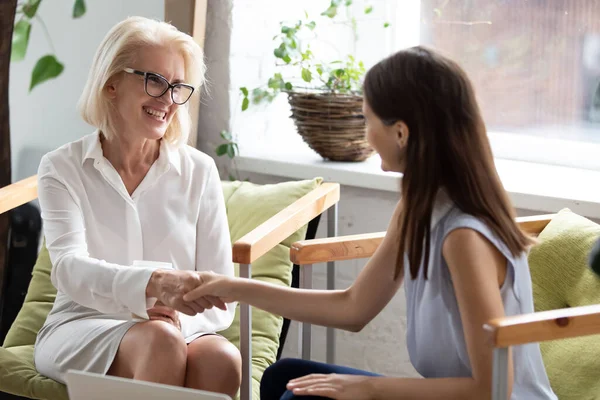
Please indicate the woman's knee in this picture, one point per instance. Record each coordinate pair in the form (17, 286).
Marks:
(276, 376)
(214, 363)
(286, 368)
(160, 340)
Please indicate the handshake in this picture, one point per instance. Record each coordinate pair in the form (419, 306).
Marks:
(189, 292)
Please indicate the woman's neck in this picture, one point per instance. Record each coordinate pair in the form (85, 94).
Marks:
(130, 157)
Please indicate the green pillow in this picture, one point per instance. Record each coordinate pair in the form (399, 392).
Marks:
(248, 205)
(38, 303)
(561, 278)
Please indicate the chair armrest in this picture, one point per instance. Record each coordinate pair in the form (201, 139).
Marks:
(546, 325)
(534, 224)
(335, 249)
(18, 193)
(277, 228)
(364, 245)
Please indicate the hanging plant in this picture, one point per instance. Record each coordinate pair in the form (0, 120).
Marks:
(48, 66)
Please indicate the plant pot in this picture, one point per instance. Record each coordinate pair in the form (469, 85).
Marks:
(331, 124)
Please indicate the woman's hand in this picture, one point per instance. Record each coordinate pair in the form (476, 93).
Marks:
(169, 286)
(334, 386)
(215, 288)
(161, 312)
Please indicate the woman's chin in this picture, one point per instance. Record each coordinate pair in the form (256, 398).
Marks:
(387, 168)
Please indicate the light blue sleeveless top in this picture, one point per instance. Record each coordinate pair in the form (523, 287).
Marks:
(435, 337)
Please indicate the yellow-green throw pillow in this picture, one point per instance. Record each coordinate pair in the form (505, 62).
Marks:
(248, 205)
(561, 278)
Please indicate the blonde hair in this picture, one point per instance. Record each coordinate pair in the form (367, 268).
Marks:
(117, 51)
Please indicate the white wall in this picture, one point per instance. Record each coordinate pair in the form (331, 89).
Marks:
(47, 118)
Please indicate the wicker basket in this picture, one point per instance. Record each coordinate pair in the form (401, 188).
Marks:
(331, 124)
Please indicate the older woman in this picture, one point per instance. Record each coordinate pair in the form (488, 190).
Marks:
(130, 215)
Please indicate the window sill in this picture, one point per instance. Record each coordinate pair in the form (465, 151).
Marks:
(531, 186)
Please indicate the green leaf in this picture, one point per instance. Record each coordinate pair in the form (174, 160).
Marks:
(30, 8)
(306, 75)
(20, 40)
(222, 149)
(331, 12)
(230, 150)
(245, 104)
(78, 8)
(281, 51)
(387, 24)
(225, 135)
(368, 9)
(287, 59)
(276, 82)
(348, 2)
(244, 91)
(46, 68)
(285, 29)
(311, 25)
(258, 95)
(288, 86)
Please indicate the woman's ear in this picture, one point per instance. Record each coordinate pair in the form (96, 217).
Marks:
(402, 133)
(111, 89)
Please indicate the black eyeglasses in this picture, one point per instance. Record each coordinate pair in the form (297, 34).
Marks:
(157, 85)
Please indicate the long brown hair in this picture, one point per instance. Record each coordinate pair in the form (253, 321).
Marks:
(447, 148)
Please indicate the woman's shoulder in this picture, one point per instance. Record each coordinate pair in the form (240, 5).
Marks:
(457, 219)
(195, 160)
(70, 154)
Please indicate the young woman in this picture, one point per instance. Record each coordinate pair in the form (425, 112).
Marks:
(452, 241)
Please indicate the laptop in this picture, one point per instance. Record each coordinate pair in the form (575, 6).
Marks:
(90, 386)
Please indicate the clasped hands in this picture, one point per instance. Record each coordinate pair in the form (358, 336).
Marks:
(202, 291)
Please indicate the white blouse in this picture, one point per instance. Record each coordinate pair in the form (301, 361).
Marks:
(104, 244)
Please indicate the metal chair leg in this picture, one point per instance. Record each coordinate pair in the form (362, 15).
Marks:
(500, 374)
(332, 231)
(246, 340)
(305, 328)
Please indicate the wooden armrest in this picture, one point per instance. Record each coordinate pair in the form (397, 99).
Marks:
(546, 325)
(363, 246)
(335, 249)
(279, 227)
(533, 225)
(18, 193)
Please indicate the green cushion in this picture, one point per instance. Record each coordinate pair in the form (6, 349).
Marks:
(19, 376)
(248, 205)
(561, 278)
(38, 303)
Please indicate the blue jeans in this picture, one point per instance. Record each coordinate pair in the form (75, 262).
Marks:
(274, 380)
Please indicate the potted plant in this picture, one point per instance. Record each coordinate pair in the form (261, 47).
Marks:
(324, 95)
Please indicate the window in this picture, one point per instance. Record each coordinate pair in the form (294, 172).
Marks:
(535, 65)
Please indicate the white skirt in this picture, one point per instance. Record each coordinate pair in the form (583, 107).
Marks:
(85, 344)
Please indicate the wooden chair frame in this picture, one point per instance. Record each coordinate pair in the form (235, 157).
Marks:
(245, 251)
(503, 332)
